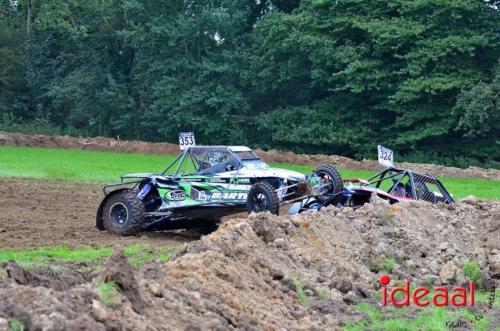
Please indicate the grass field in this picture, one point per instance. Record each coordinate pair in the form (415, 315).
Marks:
(91, 166)
(42, 257)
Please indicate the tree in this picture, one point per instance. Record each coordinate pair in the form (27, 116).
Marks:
(313, 76)
(368, 72)
(12, 60)
(479, 109)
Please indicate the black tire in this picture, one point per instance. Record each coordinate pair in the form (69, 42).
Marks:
(262, 197)
(332, 175)
(123, 213)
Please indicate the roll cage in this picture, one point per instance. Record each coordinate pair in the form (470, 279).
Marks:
(209, 160)
(410, 185)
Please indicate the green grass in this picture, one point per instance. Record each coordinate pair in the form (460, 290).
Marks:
(91, 166)
(15, 325)
(42, 257)
(75, 165)
(299, 289)
(399, 319)
(384, 265)
(106, 291)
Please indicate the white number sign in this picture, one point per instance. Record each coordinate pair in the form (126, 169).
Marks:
(385, 156)
(186, 139)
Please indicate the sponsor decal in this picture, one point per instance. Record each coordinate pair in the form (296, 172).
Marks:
(217, 180)
(202, 196)
(195, 179)
(176, 195)
(229, 196)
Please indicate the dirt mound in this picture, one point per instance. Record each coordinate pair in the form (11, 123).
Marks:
(265, 272)
(94, 144)
(134, 146)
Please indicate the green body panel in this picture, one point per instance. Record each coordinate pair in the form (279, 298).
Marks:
(207, 191)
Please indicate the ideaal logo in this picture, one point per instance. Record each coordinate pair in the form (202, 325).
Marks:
(460, 296)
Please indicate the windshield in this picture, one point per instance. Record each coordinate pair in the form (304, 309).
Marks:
(210, 161)
(247, 155)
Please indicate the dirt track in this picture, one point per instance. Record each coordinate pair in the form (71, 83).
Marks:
(39, 213)
(109, 144)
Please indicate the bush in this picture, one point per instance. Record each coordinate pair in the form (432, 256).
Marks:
(8, 123)
(472, 271)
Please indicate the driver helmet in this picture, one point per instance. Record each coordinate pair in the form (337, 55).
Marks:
(215, 158)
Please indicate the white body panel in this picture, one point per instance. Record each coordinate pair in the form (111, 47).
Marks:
(260, 170)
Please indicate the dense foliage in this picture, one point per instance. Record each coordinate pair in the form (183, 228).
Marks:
(313, 76)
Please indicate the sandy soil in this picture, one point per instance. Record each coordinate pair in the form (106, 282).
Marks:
(38, 213)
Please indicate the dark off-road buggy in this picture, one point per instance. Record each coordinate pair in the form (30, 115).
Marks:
(204, 184)
(395, 185)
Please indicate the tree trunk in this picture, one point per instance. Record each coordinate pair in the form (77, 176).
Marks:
(29, 20)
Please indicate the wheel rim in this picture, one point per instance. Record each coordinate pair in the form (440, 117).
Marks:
(325, 183)
(259, 202)
(118, 213)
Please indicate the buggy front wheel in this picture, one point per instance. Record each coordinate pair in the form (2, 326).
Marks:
(330, 180)
(262, 197)
(123, 213)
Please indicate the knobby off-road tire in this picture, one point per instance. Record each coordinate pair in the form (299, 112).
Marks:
(336, 183)
(262, 197)
(123, 214)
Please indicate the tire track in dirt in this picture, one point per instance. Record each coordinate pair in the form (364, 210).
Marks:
(40, 213)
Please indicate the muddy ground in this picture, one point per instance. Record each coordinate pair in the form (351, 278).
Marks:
(39, 213)
(109, 144)
(265, 272)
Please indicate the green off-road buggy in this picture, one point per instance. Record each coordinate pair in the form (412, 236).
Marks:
(203, 184)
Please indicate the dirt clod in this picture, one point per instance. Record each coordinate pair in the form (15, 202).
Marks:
(118, 270)
(4, 324)
(18, 274)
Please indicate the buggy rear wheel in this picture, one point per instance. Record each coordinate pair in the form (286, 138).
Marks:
(262, 197)
(123, 213)
(330, 180)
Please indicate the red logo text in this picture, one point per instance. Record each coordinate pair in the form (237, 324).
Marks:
(458, 296)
